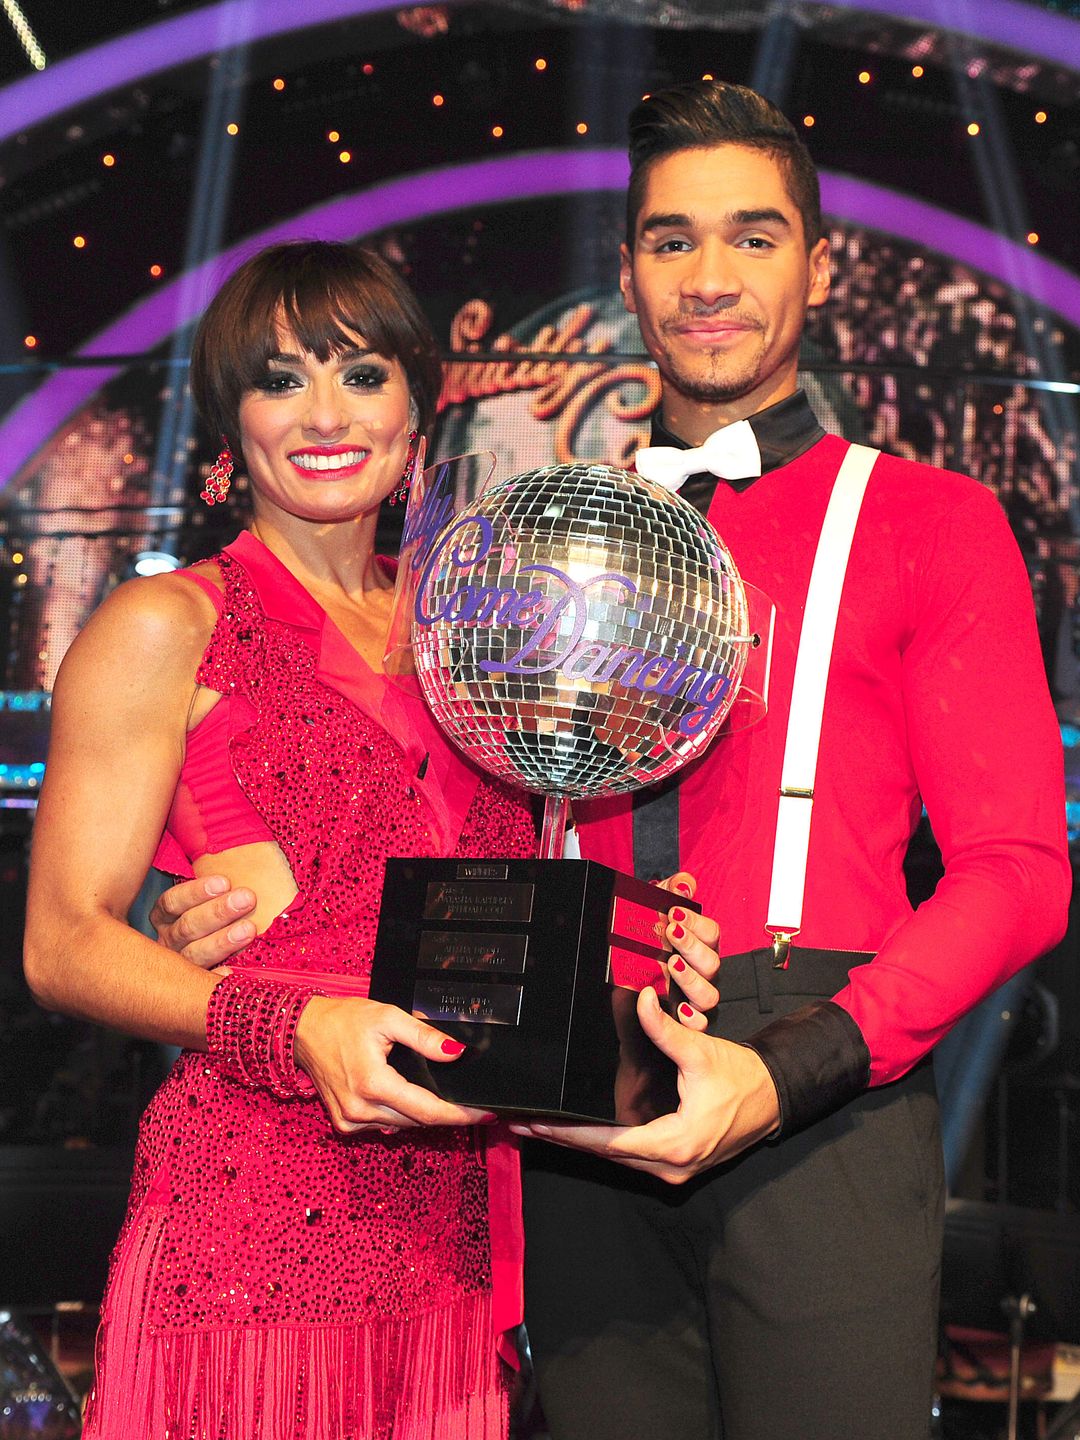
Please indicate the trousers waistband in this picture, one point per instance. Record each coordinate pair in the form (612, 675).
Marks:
(752, 974)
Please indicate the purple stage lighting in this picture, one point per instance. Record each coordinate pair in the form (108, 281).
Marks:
(499, 181)
(193, 36)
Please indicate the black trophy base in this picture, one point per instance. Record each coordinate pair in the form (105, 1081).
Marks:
(536, 966)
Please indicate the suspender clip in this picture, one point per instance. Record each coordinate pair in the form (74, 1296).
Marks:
(781, 947)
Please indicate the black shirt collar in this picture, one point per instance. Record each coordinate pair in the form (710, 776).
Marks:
(783, 431)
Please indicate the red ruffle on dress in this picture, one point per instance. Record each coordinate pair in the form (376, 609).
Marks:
(274, 1280)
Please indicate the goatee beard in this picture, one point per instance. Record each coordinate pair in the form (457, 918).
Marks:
(713, 392)
(717, 388)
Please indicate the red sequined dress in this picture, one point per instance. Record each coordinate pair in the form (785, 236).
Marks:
(273, 1280)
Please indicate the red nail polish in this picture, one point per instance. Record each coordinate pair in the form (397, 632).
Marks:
(678, 965)
(678, 932)
(682, 887)
(686, 1011)
(678, 914)
(452, 1047)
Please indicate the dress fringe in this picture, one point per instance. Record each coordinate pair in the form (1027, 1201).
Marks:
(432, 1376)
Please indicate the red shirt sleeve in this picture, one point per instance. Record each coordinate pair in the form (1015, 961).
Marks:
(986, 749)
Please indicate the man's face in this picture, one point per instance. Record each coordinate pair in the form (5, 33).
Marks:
(720, 280)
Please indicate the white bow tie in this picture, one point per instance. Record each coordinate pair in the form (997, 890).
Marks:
(730, 452)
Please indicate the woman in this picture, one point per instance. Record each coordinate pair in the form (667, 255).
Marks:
(300, 1259)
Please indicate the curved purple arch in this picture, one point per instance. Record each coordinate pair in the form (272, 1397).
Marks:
(192, 36)
(491, 182)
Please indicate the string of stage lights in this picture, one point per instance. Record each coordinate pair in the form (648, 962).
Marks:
(21, 25)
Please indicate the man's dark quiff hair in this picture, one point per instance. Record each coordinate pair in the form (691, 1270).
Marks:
(321, 289)
(707, 113)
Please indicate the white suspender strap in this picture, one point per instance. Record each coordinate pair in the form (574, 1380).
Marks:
(808, 698)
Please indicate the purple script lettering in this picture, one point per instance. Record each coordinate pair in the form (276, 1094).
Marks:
(434, 511)
(562, 605)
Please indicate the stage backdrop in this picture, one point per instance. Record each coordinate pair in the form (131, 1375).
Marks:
(916, 352)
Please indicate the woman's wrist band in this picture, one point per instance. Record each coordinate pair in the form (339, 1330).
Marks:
(250, 1033)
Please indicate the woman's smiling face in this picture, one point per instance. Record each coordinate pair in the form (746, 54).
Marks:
(326, 440)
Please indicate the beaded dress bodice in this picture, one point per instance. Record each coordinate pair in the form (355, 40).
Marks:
(344, 771)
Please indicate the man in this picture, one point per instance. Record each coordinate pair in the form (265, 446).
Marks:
(765, 1262)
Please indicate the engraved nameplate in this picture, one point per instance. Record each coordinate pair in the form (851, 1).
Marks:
(503, 954)
(439, 1000)
(639, 924)
(483, 870)
(485, 901)
(630, 970)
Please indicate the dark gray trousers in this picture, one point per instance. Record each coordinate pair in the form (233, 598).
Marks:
(790, 1293)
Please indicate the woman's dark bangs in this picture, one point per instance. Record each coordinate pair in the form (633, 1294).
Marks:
(254, 337)
(327, 317)
(326, 298)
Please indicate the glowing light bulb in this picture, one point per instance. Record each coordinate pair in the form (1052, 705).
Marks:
(581, 128)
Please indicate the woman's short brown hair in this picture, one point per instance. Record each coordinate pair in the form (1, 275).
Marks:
(321, 290)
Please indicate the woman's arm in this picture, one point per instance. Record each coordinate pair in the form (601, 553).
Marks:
(120, 713)
(119, 718)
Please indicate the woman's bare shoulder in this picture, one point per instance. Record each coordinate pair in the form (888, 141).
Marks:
(170, 601)
(157, 624)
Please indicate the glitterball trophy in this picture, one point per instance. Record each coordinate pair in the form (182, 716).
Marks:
(578, 631)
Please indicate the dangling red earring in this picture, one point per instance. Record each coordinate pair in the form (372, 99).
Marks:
(217, 482)
(401, 494)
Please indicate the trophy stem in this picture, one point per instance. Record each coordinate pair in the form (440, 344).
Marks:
(556, 814)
